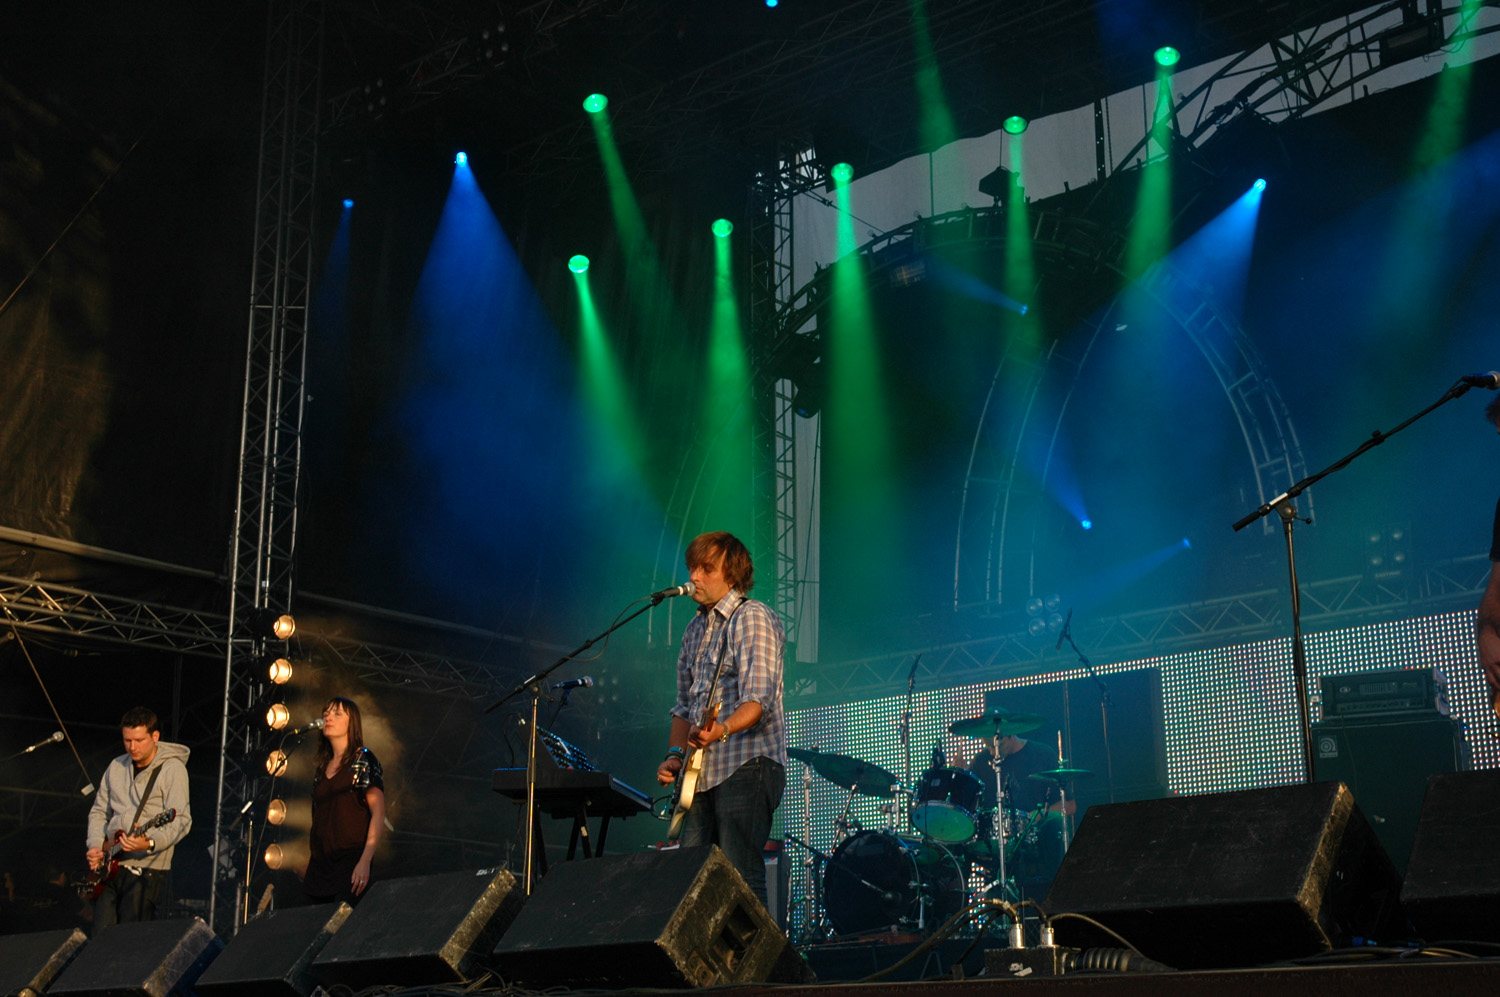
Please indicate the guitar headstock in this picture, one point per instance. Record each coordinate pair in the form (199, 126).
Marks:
(164, 818)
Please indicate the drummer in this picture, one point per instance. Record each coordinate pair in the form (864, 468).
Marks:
(1019, 759)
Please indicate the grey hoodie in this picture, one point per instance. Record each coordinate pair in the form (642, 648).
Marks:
(120, 792)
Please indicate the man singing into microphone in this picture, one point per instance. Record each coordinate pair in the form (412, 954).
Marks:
(1488, 635)
(744, 761)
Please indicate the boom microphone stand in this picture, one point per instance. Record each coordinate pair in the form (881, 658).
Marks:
(533, 685)
(1283, 504)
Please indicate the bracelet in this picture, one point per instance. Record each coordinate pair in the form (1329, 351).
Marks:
(676, 752)
(725, 736)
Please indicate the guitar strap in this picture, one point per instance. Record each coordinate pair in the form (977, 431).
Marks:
(145, 796)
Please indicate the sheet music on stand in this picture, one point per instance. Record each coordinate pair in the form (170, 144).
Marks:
(566, 754)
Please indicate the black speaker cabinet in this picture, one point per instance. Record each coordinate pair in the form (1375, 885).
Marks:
(1228, 879)
(151, 958)
(272, 955)
(1385, 761)
(1452, 887)
(422, 929)
(680, 917)
(32, 962)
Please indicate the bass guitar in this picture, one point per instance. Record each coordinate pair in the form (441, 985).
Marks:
(686, 786)
(94, 880)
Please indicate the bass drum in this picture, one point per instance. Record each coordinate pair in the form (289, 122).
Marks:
(877, 882)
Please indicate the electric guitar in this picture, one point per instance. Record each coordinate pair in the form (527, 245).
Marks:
(687, 779)
(92, 884)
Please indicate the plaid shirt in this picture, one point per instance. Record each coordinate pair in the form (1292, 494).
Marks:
(752, 672)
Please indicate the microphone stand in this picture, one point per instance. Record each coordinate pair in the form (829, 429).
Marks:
(1283, 504)
(534, 686)
(1104, 704)
(911, 685)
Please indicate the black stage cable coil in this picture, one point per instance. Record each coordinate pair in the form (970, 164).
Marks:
(1114, 961)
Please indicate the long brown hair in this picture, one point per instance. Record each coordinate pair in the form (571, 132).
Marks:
(324, 754)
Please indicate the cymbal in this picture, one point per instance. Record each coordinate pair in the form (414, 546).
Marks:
(863, 777)
(1061, 775)
(997, 723)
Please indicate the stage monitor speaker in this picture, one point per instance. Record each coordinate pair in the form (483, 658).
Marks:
(29, 963)
(151, 958)
(272, 954)
(679, 917)
(1452, 887)
(422, 929)
(1228, 879)
(1385, 762)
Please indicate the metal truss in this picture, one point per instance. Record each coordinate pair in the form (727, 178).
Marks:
(62, 611)
(263, 544)
(466, 50)
(1253, 616)
(1295, 74)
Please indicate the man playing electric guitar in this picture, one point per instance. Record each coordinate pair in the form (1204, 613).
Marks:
(744, 745)
(150, 779)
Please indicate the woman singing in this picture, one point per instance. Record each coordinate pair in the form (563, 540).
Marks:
(348, 808)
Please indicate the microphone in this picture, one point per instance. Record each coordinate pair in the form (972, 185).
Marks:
(57, 735)
(310, 725)
(1066, 623)
(584, 683)
(1490, 380)
(686, 588)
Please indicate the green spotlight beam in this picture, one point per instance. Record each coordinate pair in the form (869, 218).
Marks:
(937, 128)
(604, 388)
(1443, 134)
(725, 404)
(1020, 260)
(1151, 230)
(856, 409)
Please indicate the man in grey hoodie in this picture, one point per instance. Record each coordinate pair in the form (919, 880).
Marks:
(139, 834)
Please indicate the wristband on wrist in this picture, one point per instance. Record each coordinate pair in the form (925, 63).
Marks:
(676, 752)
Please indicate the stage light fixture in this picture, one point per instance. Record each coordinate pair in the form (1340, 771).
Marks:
(274, 857)
(595, 102)
(348, 203)
(462, 159)
(276, 762)
(841, 172)
(272, 624)
(723, 227)
(1036, 626)
(276, 811)
(278, 716)
(1167, 56)
(772, 3)
(280, 671)
(1258, 186)
(578, 263)
(1015, 124)
(1087, 524)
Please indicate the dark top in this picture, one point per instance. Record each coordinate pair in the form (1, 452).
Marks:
(1495, 541)
(1025, 794)
(340, 815)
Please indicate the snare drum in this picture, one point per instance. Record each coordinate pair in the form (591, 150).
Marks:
(947, 801)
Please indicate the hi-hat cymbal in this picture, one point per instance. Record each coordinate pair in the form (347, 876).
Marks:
(863, 777)
(1061, 775)
(997, 723)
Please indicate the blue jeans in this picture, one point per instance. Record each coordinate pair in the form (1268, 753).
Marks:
(736, 816)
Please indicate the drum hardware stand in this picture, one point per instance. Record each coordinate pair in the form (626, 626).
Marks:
(1284, 507)
(814, 915)
(998, 824)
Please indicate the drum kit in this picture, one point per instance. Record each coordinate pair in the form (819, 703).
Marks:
(913, 874)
